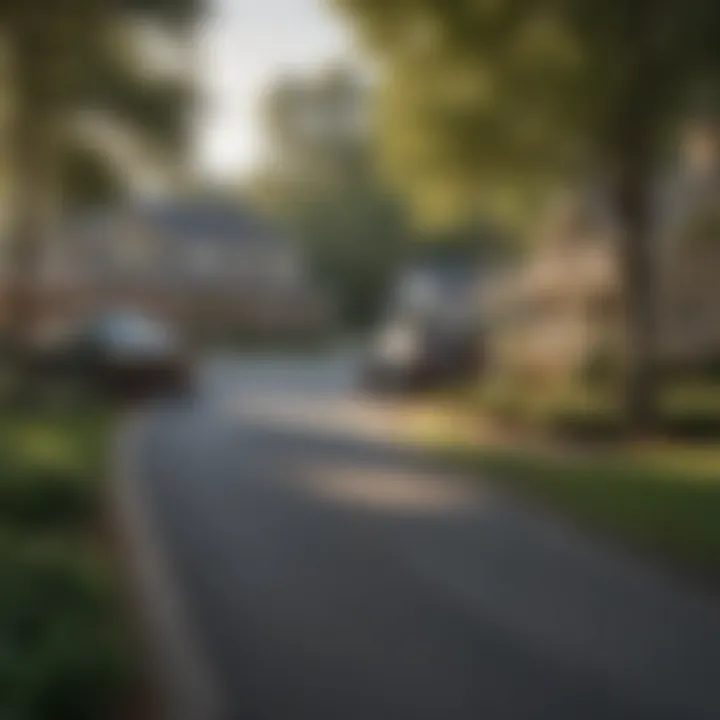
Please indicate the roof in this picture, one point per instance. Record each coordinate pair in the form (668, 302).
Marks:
(185, 221)
(216, 220)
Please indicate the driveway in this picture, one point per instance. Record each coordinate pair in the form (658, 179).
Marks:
(330, 572)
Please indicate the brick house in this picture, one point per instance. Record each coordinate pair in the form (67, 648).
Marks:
(218, 271)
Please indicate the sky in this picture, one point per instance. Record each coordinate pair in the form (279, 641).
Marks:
(243, 47)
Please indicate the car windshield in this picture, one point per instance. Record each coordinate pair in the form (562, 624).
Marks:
(436, 288)
(134, 332)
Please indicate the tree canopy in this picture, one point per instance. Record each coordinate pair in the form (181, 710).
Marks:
(321, 180)
(487, 101)
(74, 57)
(490, 101)
(64, 59)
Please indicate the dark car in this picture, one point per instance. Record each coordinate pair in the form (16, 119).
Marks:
(431, 334)
(126, 356)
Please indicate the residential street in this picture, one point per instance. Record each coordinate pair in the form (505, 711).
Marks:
(331, 573)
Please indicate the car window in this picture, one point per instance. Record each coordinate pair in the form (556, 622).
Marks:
(440, 289)
(135, 333)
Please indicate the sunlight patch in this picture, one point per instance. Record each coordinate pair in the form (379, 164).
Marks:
(390, 490)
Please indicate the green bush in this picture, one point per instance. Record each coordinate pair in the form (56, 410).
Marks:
(584, 411)
(504, 400)
(61, 650)
(62, 654)
(571, 410)
(46, 497)
(49, 468)
(603, 366)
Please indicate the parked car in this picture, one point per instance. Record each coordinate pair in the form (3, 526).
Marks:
(431, 334)
(127, 356)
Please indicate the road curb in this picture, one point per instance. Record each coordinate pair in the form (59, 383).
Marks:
(177, 668)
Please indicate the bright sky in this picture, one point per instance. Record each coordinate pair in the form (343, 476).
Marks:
(243, 47)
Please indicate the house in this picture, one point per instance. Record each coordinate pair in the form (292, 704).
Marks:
(218, 270)
(561, 311)
(544, 316)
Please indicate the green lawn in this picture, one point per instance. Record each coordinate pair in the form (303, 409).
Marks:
(653, 499)
(61, 640)
(687, 409)
(662, 496)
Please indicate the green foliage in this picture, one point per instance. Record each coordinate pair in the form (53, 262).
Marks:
(66, 58)
(45, 497)
(469, 116)
(175, 11)
(323, 186)
(583, 411)
(49, 469)
(670, 513)
(603, 367)
(355, 244)
(62, 650)
(491, 102)
(90, 179)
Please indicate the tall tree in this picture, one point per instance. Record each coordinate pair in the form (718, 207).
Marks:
(322, 181)
(65, 58)
(488, 94)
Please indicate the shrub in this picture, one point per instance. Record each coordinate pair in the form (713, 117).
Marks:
(61, 651)
(602, 367)
(61, 647)
(46, 497)
(583, 411)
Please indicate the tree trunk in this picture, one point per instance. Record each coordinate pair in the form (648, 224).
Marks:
(31, 159)
(25, 243)
(637, 260)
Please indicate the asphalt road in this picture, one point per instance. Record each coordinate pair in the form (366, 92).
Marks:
(331, 573)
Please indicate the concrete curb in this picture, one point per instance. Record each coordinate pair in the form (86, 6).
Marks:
(177, 669)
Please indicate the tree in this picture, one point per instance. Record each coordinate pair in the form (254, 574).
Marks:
(483, 95)
(66, 58)
(321, 181)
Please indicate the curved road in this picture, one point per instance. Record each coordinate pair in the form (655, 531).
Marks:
(331, 573)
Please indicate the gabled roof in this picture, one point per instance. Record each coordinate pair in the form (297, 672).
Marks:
(209, 220)
(184, 221)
